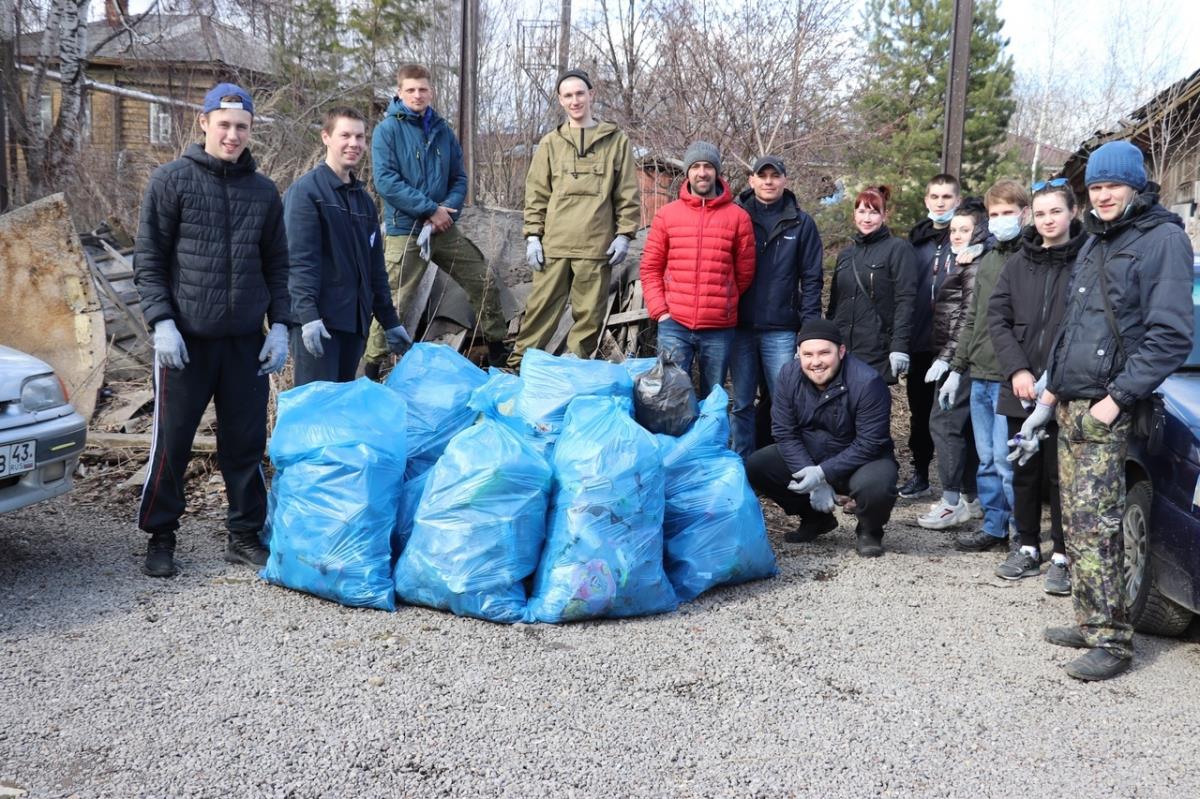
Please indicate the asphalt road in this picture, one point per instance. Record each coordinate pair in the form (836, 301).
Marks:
(918, 674)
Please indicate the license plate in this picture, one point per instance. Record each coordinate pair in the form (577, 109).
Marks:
(17, 458)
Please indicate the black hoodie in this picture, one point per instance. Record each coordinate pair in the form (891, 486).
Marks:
(1147, 259)
(1026, 308)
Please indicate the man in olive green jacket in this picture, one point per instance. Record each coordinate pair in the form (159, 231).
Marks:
(581, 211)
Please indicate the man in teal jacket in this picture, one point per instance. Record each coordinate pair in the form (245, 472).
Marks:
(418, 169)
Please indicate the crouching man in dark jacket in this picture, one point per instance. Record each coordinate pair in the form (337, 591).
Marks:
(1128, 326)
(830, 418)
(211, 262)
(337, 278)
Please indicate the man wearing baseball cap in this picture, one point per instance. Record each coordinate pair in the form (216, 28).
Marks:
(582, 209)
(831, 422)
(785, 293)
(1128, 325)
(211, 263)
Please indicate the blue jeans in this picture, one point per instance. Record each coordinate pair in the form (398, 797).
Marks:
(994, 478)
(711, 347)
(757, 357)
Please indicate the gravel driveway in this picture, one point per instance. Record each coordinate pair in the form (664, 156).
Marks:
(918, 674)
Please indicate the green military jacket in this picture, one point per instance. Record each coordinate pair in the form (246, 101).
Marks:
(975, 350)
(582, 190)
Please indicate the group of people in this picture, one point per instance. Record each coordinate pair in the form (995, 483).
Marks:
(1032, 339)
(1029, 335)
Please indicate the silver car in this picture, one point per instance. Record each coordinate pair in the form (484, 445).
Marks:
(41, 435)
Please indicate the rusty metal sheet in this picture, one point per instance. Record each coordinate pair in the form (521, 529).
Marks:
(48, 305)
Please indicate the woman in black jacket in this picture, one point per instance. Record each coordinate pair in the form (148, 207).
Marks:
(1024, 315)
(874, 284)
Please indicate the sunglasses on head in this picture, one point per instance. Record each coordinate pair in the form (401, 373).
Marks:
(1054, 183)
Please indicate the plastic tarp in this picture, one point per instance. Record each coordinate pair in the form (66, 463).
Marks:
(479, 527)
(436, 383)
(339, 453)
(604, 546)
(713, 525)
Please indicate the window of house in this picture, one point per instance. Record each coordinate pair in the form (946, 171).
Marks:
(46, 113)
(160, 124)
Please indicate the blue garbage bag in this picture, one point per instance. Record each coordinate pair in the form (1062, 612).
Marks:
(339, 454)
(406, 513)
(549, 383)
(713, 526)
(637, 366)
(604, 546)
(479, 526)
(436, 383)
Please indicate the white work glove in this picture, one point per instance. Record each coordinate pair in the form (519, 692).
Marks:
(899, 362)
(1038, 388)
(533, 254)
(423, 241)
(311, 334)
(806, 480)
(398, 340)
(168, 344)
(273, 354)
(822, 498)
(618, 249)
(1025, 444)
(937, 370)
(949, 391)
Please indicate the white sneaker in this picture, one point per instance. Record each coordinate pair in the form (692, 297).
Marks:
(942, 516)
(975, 509)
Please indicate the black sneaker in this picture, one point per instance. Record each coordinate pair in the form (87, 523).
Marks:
(979, 541)
(1098, 664)
(917, 486)
(1058, 580)
(245, 548)
(811, 528)
(160, 556)
(868, 545)
(1019, 564)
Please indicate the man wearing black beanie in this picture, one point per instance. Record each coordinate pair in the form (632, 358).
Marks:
(831, 422)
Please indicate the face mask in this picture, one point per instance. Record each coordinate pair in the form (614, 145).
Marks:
(1005, 228)
(941, 219)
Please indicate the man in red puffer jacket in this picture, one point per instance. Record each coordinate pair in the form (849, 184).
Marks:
(698, 259)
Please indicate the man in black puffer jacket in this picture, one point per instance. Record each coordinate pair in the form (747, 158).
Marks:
(1127, 327)
(210, 262)
(831, 421)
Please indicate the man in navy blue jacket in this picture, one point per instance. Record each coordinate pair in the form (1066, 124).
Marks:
(830, 419)
(336, 277)
(785, 293)
(418, 169)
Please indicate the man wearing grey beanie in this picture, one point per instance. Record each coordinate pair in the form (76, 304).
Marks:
(698, 260)
(1127, 327)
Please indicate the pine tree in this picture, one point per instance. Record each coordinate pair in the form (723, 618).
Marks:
(902, 96)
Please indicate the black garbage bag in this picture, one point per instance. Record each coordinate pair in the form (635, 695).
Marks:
(663, 398)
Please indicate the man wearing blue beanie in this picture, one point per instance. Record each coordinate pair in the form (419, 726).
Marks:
(1128, 325)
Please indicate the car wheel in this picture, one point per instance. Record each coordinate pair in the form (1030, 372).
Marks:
(1149, 611)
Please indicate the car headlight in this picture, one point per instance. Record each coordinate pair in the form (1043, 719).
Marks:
(42, 393)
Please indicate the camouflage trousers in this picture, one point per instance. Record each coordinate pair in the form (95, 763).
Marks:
(1091, 466)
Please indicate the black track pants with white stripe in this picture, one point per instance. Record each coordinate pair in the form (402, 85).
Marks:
(224, 370)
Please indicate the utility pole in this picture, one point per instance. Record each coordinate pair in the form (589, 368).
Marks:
(8, 35)
(564, 36)
(956, 88)
(468, 88)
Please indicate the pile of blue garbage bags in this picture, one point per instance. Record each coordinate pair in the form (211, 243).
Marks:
(537, 498)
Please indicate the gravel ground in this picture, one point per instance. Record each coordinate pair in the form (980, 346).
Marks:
(918, 674)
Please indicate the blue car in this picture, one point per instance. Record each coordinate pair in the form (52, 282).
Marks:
(1162, 507)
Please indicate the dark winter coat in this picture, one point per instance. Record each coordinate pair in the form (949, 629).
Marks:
(336, 271)
(840, 429)
(875, 310)
(211, 253)
(1147, 259)
(415, 173)
(953, 290)
(1026, 309)
(928, 244)
(788, 273)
